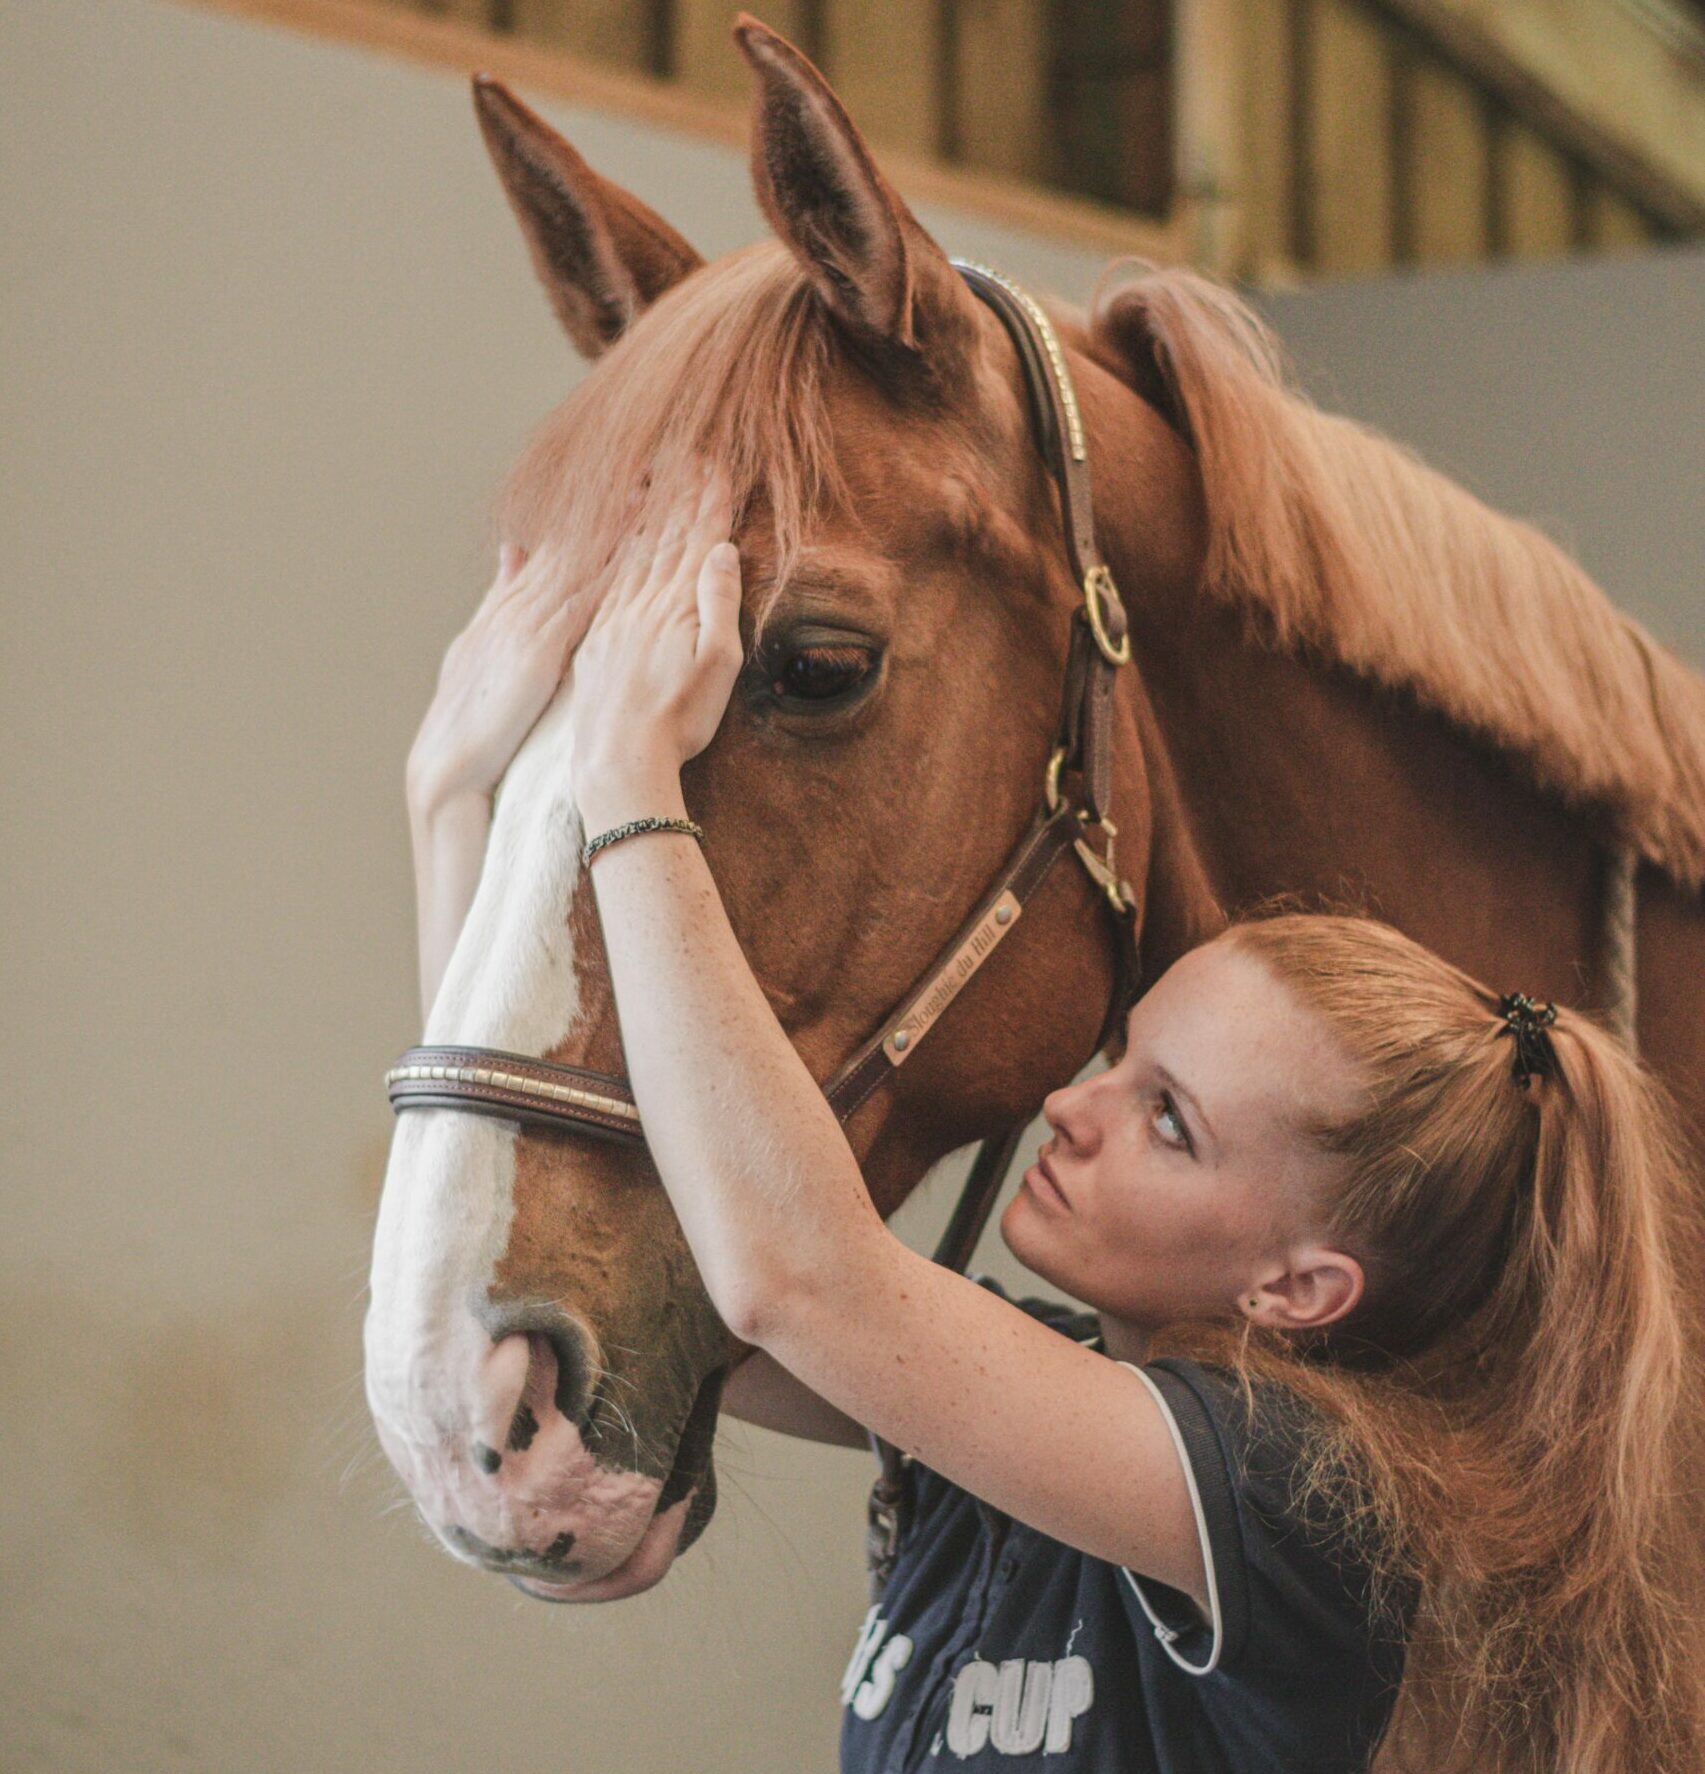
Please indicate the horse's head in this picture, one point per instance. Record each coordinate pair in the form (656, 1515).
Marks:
(543, 1363)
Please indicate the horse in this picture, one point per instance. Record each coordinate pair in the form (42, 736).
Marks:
(1349, 681)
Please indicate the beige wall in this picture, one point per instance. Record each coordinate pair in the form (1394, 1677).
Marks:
(1571, 395)
(269, 340)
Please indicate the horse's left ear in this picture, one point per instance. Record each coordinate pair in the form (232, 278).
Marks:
(873, 262)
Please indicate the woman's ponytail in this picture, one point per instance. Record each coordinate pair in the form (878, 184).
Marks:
(1517, 1399)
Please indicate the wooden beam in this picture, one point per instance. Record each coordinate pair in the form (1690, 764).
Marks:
(1615, 225)
(1000, 80)
(610, 31)
(1537, 195)
(1267, 158)
(1302, 225)
(1582, 103)
(457, 47)
(470, 12)
(1351, 158)
(884, 67)
(1209, 157)
(1450, 157)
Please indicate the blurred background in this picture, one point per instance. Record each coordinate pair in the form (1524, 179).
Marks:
(268, 341)
(1265, 139)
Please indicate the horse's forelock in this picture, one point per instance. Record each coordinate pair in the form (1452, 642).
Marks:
(729, 363)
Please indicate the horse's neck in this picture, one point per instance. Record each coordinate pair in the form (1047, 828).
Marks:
(1295, 777)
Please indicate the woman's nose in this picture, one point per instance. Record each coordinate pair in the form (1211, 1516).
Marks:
(1065, 1110)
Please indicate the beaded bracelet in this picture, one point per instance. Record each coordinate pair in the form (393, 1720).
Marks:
(590, 849)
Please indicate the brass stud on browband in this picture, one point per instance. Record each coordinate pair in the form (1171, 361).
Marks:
(1051, 349)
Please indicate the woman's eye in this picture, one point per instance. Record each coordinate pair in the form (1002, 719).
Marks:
(814, 674)
(1170, 1123)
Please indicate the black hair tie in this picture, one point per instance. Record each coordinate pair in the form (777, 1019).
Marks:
(1526, 1023)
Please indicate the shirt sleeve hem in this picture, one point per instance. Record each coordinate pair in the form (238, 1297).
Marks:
(1216, 1618)
(1207, 1472)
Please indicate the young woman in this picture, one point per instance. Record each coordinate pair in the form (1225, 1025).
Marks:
(1389, 1368)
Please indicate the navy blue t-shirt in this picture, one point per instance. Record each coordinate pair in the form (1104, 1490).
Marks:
(996, 1646)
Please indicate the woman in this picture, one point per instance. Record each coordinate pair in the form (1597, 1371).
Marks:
(1387, 1373)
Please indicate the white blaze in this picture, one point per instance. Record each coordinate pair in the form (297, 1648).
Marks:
(445, 1213)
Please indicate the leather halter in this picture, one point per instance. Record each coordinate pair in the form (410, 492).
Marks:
(488, 1081)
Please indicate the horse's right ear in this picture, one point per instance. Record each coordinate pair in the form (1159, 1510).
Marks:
(603, 256)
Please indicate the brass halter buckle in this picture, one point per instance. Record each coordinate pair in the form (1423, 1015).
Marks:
(1102, 870)
(1098, 586)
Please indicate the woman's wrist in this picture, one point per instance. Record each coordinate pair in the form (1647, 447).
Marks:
(434, 813)
(612, 797)
(429, 788)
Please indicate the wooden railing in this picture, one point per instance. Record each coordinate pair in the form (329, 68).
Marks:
(1267, 139)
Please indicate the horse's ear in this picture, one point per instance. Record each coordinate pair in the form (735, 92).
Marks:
(603, 256)
(874, 264)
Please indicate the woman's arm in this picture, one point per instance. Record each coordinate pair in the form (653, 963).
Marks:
(449, 840)
(798, 1262)
(496, 678)
(760, 1390)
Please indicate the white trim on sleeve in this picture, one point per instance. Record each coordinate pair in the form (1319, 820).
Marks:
(1166, 1634)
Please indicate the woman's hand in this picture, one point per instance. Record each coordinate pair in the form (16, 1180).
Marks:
(654, 672)
(498, 676)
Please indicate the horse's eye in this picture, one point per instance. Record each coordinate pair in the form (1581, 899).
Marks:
(815, 674)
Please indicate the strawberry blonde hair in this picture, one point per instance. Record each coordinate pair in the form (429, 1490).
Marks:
(1507, 1426)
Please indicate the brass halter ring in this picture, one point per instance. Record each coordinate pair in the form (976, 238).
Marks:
(1104, 871)
(1098, 584)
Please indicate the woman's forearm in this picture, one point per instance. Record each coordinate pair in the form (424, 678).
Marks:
(756, 1165)
(449, 839)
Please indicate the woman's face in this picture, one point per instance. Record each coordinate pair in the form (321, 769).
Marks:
(1184, 1181)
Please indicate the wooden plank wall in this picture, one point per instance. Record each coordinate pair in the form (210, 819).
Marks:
(1354, 141)
(1367, 147)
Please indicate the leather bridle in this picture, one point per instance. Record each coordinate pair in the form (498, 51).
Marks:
(488, 1081)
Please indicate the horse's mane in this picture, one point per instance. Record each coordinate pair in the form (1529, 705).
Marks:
(1335, 540)
(1342, 543)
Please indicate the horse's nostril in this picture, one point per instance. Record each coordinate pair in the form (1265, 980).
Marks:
(573, 1375)
(552, 1335)
(522, 1430)
(487, 1459)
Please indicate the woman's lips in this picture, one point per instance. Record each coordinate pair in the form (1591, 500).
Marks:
(1040, 1181)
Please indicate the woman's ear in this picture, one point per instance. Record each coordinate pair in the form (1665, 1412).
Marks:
(1319, 1287)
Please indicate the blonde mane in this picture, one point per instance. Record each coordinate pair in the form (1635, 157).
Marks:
(1343, 543)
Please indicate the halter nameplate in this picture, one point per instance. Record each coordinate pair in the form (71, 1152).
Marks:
(915, 1020)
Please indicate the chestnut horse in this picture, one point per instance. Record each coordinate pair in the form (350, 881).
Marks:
(1350, 681)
